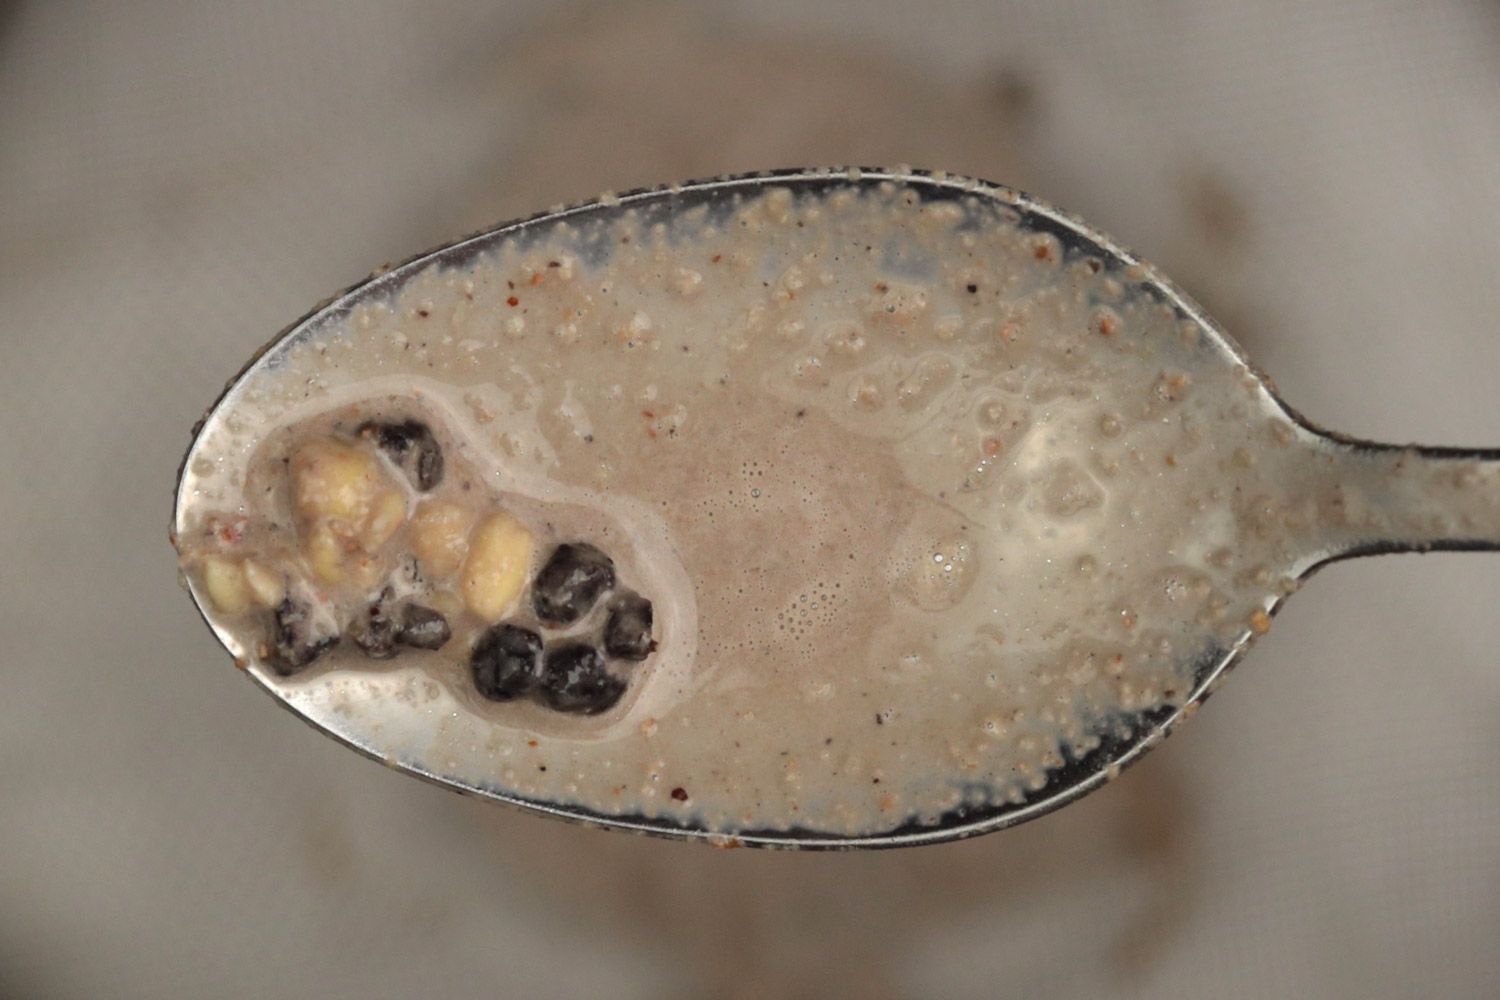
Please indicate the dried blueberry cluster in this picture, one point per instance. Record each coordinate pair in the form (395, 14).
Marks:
(509, 661)
(383, 625)
(412, 446)
(298, 637)
(301, 634)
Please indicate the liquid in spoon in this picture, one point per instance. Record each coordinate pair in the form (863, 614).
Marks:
(925, 505)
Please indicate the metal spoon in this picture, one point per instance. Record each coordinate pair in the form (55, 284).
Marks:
(1424, 508)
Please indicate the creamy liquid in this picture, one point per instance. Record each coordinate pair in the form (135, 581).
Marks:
(926, 508)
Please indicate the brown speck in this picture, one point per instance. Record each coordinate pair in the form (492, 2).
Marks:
(1216, 209)
(532, 743)
(554, 263)
(971, 288)
(1012, 95)
(716, 258)
(679, 794)
(423, 313)
(512, 301)
(1042, 251)
(802, 413)
(1260, 622)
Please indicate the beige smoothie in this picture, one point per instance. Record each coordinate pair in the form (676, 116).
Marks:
(790, 516)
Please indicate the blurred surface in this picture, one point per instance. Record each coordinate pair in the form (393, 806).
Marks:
(178, 181)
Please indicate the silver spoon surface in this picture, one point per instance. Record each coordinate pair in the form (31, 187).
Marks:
(1429, 498)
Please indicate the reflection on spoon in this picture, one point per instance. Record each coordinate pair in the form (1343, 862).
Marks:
(809, 509)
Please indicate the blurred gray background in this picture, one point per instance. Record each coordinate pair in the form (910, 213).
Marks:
(180, 180)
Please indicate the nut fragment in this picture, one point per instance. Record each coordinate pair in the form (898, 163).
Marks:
(325, 554)
(348, 509)
(224, 580)
(386, 516)
(333, 481)
(497, 565)
(235, 585)
(440, 536)
(266, 586)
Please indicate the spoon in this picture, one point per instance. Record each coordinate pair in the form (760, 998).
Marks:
(1426, 498)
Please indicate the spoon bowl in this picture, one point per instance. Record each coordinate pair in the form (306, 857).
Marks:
(1411, 499)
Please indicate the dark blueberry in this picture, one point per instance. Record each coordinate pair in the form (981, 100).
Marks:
(570, 583)
(627, 633)
(575, 680)
(423, 628)
(506, 662)
(374, 629)
(411, 445)
(298, 637)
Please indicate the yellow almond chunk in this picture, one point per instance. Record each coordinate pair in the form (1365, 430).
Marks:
(387, 515)
(495, 571)
(324, 550)
(440, 536)
(335, 481)
(266, 587)
(224, 580)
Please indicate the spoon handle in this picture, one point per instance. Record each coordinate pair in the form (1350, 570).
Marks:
(1404, 498)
